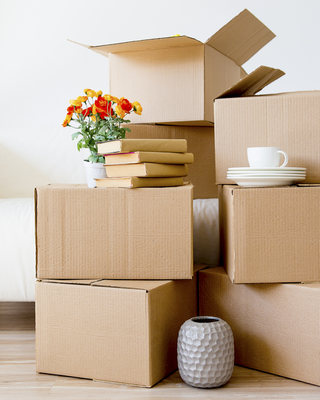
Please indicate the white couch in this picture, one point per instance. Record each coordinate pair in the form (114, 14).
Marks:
(17, 249)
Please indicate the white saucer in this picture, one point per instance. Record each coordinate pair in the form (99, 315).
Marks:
(266, 173)
(264, 181)
(235, 169)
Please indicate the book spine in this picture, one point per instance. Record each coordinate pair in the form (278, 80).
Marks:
(170, 145)
(154, 170)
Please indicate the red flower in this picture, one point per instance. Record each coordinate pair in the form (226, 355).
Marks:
(103, 107)
(87, 112)
(125, 105)
(70, 110)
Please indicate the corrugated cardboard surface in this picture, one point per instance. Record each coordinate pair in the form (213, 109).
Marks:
(114, 233)
(200, 141)
(186, 71)
(270, 234)
(275, 326)
(154, 76)
(124, 333)
(290, 121)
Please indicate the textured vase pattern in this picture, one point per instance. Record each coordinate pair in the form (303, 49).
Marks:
(205, 352)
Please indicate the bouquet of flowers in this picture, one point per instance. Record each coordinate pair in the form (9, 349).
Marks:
(98, 118)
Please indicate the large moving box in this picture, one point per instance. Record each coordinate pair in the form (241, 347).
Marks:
(200, 142)
(270, 234)
(276, 327)
(116, 331)
(290, 121)
(114, 233)
(176, 78)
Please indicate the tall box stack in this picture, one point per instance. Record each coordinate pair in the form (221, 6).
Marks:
(115, 269)
(115, 281)
(270, 237)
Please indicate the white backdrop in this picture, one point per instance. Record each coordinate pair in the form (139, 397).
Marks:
(40, 70)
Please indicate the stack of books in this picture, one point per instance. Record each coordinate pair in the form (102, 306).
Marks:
(144, 162)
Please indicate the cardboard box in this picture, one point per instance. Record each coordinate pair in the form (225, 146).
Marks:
(116, 331)
(290, 121)
(176, 78)
(275, 326)
(200, 142)
(114, 233)
(270, 234)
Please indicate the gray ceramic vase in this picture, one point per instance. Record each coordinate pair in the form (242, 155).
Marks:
(205, 352)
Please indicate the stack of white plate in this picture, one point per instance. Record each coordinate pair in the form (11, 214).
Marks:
(260, 177)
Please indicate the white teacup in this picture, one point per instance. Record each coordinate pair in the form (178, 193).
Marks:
(266, 157)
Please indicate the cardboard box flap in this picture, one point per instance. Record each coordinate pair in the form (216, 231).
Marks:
(253, 83)
(307, 285)
(146, 44)
(145, 285)
(70, 281)
(308, 184)
(241, 38)
(130, 284)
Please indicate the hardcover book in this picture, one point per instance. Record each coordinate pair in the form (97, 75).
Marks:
(146, 169)
(148, 156)
(127, 145)
(135, 182)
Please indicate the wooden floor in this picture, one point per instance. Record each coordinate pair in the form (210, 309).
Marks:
(18, 379)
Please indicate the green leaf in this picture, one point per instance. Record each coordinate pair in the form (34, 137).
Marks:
(75, 135)
(93, 158)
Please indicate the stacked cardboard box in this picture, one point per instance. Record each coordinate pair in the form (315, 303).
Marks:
(268, 290)
(115, 281)
(115, 269)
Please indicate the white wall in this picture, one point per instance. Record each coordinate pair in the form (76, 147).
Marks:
(40, 70)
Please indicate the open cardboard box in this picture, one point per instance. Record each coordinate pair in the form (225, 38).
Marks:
(114, 233)
(275, 326)
(115, 331)
(188, 72)
(270, 234)
(290, 121)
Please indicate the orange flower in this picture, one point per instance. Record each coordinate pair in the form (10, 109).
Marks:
(103, 107)
(120, 112)
(70, 110)
(91, 93)
(78, 110)
(87, 112)
(137, 107)
(125, 105)
(94, 112)
(83, 99)
(67, 120)
(111, 98)
(75, 103)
